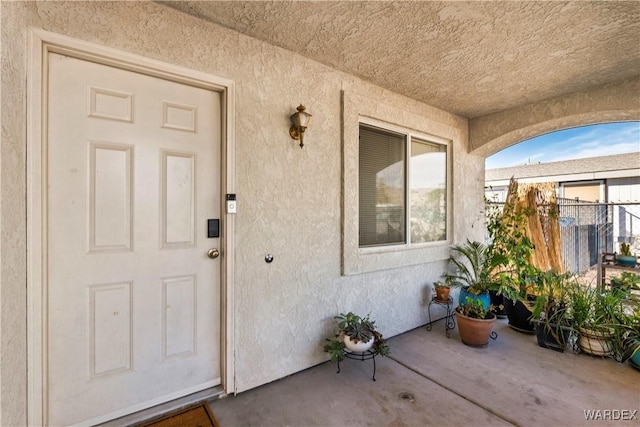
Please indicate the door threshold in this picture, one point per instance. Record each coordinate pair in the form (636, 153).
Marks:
(158, 410)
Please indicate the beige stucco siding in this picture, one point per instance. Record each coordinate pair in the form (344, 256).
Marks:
(13, 358)
(289, 199)
(615, 102)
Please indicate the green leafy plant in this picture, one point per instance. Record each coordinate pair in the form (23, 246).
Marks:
(630, 327)
(474, 267)
(551, 306)
(380, 346)
(625, 249)
(597, 316)
(552, 301)
(628, 334)
(475, 309)
(595, 309)
(626, 283)
(358, 329)
(510, 245)
(630, 346)
(442, 290)
(335, 349)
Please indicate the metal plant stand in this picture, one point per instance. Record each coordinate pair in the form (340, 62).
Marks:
(449, 321)
(362, 356)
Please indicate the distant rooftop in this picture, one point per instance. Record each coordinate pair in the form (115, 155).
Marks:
(626, 164)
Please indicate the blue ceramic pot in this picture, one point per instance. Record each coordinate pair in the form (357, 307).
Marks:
(625, 260)
(483, 298)
(635, 359)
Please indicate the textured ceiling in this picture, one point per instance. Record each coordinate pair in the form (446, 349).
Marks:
(469, 58)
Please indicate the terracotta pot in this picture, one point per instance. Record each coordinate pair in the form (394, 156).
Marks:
(442, 294)
(475, 332)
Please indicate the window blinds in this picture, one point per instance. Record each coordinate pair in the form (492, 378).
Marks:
(381, 187)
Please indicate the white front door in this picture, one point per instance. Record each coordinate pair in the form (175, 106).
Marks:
(133, 300)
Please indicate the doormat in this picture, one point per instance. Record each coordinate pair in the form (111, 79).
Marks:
(194, 416)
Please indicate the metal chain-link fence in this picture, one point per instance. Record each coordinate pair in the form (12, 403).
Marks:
(588, 229)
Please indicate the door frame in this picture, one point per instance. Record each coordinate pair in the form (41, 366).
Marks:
(41, 43)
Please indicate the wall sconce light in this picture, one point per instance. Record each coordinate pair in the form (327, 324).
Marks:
(299, 122)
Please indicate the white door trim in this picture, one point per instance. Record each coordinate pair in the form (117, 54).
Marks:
(41, 43)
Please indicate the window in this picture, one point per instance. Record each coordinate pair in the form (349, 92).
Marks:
(585, 191)
(383, 184)
(382, 187)
(428, 194)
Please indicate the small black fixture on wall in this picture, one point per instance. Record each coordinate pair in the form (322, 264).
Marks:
(299, 123)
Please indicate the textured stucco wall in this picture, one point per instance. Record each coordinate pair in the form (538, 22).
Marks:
(462, 181)
(13, 360)
(612, 103)
(289, 199)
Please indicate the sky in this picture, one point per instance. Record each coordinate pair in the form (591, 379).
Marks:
(569, 144)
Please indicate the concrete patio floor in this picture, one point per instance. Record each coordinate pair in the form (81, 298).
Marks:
(432, 380)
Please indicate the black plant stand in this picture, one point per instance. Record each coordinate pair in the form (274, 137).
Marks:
(449, 321)
(362, 356)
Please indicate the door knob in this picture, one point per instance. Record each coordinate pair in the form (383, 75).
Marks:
(213, 253)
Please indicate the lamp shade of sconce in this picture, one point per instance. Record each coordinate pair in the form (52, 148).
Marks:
(299, 123)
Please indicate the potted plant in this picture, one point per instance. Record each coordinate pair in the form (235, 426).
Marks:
(629, 338)
(356, 334)
(474, 272)
(596, 315)
(442, 290)
(475, 322)
(551, 312)
(507, 228)
(518, 296)
(626, 283)
(625, 257)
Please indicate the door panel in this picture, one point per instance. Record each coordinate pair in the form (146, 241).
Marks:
(133, 174)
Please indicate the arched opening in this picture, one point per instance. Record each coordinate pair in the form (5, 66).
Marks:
(596, 173)
(570, 144)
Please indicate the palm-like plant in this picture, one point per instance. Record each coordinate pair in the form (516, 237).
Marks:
(476, 269)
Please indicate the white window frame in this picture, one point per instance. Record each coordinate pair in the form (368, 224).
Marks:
(409, 136)
(430, 125)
